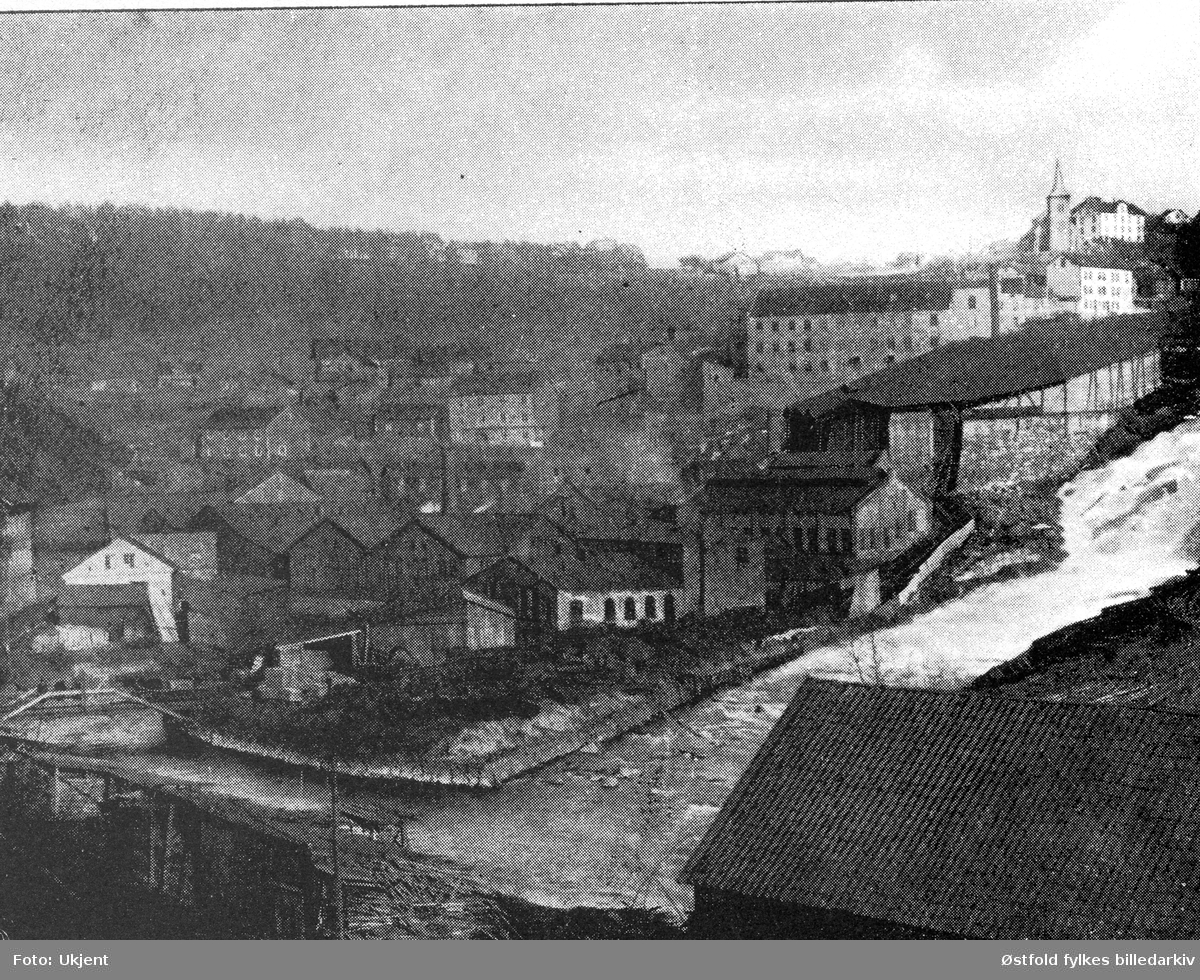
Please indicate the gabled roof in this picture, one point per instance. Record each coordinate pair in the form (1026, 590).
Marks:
(244, 418)
(325, 522)
(273, 526)
(1094, 260)
(486, 535)
(1098, 206)
(839, 494)
(293, 487)
(185, 552)
(130, 541)
(456, 601)
(369, 524)
(968, 814)
(603, 572)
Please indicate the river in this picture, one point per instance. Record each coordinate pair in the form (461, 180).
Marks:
(613, 827)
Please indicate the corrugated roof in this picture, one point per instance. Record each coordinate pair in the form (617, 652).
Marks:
(983, 369)
(969, 814)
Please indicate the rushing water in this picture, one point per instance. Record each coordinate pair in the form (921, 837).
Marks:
(614, 827)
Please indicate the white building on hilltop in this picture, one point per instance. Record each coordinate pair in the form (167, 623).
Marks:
(1097, 221)
(1098, 287)
(1091, 223)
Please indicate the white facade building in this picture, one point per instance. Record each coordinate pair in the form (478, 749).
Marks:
(1098, 287)
(1094, 220)
(125, 562)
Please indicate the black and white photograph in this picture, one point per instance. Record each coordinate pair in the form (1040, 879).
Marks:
(684, 471)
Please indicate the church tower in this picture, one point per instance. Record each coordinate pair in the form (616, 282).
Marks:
(1058, 215)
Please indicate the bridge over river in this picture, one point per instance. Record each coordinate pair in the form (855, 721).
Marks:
(100, 718)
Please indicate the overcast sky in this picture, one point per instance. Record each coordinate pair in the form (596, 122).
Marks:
(845, 130)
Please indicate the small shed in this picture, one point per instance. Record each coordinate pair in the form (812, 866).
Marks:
(458, 625)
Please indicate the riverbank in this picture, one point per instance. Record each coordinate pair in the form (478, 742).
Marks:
(619, 682)
(488, 755)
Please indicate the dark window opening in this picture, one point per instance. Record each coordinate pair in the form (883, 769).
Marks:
(630, 609)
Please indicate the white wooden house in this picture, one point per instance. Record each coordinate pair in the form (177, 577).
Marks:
(131, 561)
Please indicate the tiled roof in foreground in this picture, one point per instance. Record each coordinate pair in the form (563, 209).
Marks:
(970, 814)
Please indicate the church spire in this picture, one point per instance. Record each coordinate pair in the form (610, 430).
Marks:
(1058, 188)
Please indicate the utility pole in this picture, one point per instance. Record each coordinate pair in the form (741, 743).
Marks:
(339, 892)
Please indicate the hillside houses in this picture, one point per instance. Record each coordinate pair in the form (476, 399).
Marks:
(1095, 286)
(255, 434)
(501, 408)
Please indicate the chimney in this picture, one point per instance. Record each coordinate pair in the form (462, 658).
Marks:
(994, 297)
(445, 505)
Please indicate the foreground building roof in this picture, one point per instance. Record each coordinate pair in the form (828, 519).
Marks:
(968, 814)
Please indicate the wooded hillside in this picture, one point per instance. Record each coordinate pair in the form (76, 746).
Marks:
(70, 274)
